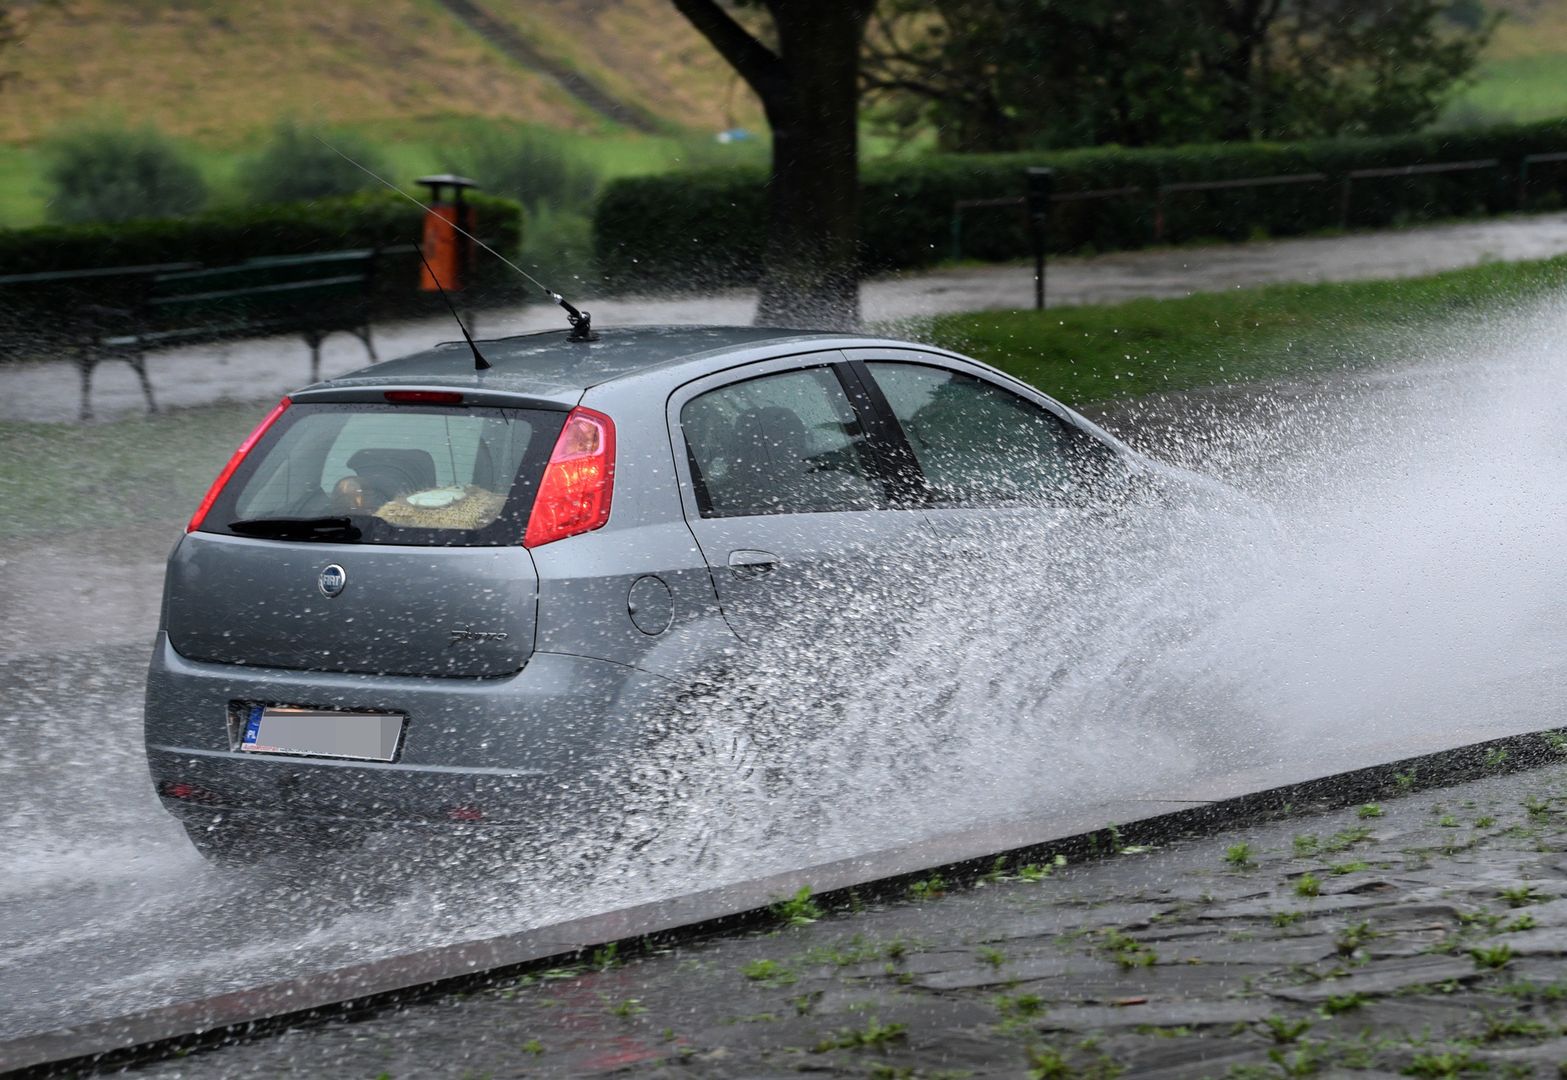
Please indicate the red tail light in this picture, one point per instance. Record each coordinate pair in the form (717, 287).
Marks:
(575, 494)
(228, 470)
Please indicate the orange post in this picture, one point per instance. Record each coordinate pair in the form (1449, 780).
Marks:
(447, 251)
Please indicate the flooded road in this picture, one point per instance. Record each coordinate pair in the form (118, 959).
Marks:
(1381, 575)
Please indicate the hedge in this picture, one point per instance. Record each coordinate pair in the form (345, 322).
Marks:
(691, 230)
(221, 238)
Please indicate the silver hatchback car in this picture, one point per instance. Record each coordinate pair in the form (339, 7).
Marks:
(427, 594)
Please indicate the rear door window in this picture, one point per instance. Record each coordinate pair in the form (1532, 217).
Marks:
(978, 444)
(400, 474)
(779, 444)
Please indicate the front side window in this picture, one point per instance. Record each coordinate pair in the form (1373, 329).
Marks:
(779, 444)
(398, 474)
(980, 445)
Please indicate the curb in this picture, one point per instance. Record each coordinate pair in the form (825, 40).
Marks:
(959, 858)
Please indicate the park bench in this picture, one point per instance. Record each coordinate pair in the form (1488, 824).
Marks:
(75, 311)
(122, 313)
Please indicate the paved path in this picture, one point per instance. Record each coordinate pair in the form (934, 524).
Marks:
(1423, 935)
(264, 368)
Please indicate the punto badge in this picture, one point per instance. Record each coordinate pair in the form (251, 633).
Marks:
(332, 580)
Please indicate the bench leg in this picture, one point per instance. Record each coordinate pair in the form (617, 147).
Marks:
(138, 363)
(314, 341)
(85, 362)
(364, 336)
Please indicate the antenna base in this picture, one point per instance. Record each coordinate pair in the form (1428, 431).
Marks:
(581, 321)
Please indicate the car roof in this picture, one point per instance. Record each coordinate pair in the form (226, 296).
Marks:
(547, 365)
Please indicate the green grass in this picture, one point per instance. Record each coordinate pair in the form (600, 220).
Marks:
(1095, 353)
(1517, 89)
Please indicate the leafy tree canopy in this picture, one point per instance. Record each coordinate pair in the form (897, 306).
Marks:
(1010, 74)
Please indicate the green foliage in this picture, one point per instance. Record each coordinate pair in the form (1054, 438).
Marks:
(1353, 938)
(874, 1036)
(605, 956)
(296, 166)
(1520, 895)
(1308, 885)
(768, 972)
(1442, 1066)
(1492, 956)
(1342, 1003)
(1309, 68)
(799, 909)
(1344, 839)
(706, 228)
(535, 166)
(1370, 810)
(1021, 1005)
(116, 174)
(1238, 857)
(928, 888)
(1127, 951)
(1285, 1029)
(1499, 1026)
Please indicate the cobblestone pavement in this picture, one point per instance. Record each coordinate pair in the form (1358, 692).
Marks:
(1423, 935)
(268, 367)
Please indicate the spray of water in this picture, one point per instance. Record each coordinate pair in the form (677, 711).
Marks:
(1380, 568)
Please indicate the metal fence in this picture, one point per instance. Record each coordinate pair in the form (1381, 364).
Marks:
(1159, 194)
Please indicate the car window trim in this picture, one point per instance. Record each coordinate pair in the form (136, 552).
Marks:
(693, 488)
(906, 481)
(859, 360)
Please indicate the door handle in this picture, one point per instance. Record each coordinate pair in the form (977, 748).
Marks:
(752, 563)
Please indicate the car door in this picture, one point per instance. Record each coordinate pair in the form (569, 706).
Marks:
(794, 503)
(997, 465)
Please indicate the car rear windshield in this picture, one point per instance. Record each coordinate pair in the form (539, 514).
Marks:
(390, 474)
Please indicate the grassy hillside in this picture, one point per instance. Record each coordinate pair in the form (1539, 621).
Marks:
(218, 70)
(1523, 75)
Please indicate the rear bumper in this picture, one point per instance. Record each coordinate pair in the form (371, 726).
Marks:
(511, 748)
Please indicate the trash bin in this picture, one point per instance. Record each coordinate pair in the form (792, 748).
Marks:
(447, 252)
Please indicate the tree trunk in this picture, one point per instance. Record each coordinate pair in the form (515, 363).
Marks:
(812, 261)
(809, 89)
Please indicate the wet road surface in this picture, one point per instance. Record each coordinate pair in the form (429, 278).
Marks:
(1406, 592)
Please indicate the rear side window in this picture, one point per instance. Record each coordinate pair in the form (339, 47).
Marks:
(779, 444)
(981, 445)
(400, 474)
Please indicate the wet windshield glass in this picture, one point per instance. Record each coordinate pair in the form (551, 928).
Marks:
(391, 475)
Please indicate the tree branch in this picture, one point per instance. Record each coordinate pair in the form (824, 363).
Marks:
(756, 64)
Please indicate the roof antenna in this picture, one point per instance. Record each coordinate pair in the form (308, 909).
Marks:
(581, 321)
(479, 362)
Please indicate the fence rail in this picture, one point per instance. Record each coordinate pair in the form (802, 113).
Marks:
(1158, 193)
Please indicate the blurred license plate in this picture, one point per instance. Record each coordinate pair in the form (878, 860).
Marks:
(271, 729)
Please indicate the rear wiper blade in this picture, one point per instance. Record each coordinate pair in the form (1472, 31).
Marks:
(339, 529)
